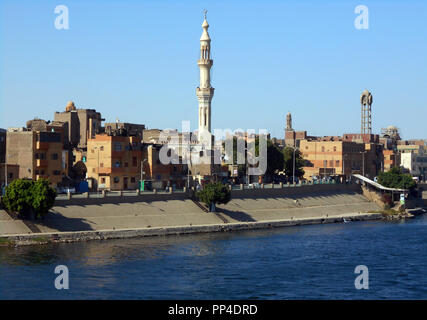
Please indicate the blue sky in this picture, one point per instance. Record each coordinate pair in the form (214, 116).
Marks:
(136, 61)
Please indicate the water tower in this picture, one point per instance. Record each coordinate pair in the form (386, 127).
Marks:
(366, 105)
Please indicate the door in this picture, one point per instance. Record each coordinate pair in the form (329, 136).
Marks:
(125, 183)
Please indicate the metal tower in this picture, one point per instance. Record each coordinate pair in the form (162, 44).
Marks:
(366, 106)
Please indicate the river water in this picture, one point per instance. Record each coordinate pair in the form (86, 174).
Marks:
(306, 262)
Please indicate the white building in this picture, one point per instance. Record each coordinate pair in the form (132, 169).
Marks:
(416, 163)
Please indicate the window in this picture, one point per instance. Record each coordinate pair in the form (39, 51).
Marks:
(101, 148)
(134, 161)
(103, 180)
(331, 163)
(117, 164)
(335, 149)
(54, 156)
(337, 163)
(159, 177)
(117, 146)
(93, 169)
(116, 179)
(323, 149)
(126, 165)
(101, 165)
(132, 179)
(10, 176)
(56, 172)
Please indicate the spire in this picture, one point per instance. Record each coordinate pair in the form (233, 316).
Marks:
(205, 26)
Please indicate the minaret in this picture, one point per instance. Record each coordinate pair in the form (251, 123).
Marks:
(205, 92)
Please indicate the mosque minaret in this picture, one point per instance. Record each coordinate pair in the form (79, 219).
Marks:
(205, 92)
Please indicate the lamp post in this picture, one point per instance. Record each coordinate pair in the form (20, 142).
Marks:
(97, 180)
(293, 168)
(142, 171)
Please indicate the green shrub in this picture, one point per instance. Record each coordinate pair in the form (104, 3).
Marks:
(26, 196)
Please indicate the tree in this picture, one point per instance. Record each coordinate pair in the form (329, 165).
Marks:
(26, 197)
(395, 178)
(18, 197)
(213, 193)
(288, 153)
(43, 197)
(275, 159)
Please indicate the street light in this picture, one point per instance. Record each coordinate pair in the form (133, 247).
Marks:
(142, 172)
(97, 180)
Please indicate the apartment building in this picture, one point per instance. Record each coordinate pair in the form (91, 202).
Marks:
(114, 162)
(38, 154)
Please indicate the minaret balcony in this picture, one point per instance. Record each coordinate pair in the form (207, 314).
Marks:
(205, 62)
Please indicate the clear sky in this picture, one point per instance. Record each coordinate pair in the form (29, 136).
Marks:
(136, 61)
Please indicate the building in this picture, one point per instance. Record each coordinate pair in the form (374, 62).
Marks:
(12, 173)
(205, 162)
(331, 158)
(2, 145)
(205, 91)
(162, 175)
(114, 162)
(38, 155)
(121, 128)
(82, 124)
(391, 159)
(415, 163)
(336, 156)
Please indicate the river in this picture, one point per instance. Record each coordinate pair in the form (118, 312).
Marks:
(306, 262)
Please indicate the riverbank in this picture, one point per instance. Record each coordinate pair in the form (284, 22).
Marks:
(49, 237)
(160, 215)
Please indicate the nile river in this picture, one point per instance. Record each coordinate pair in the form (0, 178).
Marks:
(308, 262)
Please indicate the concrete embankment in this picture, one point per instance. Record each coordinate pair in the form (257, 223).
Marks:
(156, 215)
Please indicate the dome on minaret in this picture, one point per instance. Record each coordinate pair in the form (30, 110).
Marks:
(205, 34)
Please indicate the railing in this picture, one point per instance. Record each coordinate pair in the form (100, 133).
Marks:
(170, 190)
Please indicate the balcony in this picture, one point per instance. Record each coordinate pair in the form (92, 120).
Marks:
(41, 176)
(42, 145)
(41, 163)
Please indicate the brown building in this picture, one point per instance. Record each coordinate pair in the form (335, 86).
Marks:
(332, 156)
(2, 145)
(82, 124)
(114, 162)
(38, 154)
(391, 159)
(124, 128)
